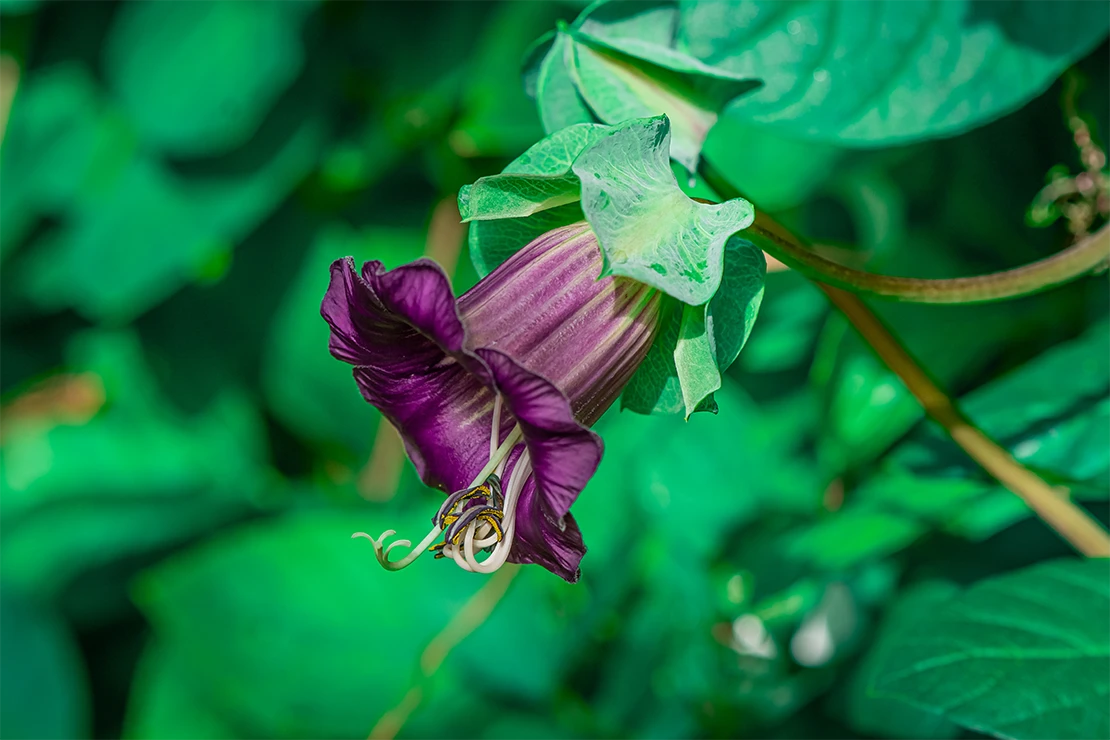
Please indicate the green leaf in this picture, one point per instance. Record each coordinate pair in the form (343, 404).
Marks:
(1022, 655)
(1060, 430)
(100, 262)
(554, 89)
(493, 242)
(538, 180)
(753, 158)
(555, 154)
(698, 343)
(61, 135)
(852, 536)
(515, 196)
(647, 227)
(931, 69)
(890, 718)
(730, 314)
(137, 476)
(695, 359)
(618, 85)
(615, 63)
(163, 704)
(44, 695)
(213, 606)
(310, 391)
(655, 388)
(189, 103)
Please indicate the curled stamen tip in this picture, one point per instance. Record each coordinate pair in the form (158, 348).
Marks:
(377, 542)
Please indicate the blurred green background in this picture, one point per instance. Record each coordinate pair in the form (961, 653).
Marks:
(182, 462)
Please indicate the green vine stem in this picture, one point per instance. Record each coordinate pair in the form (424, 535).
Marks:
(1065, 517)
(1085, 256)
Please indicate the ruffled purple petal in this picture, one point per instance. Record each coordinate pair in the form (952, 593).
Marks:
(400, 330)
(544, 540)
(564, 453)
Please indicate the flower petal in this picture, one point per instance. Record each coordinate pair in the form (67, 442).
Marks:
(400, 330)
(542, 540)
(564, 453)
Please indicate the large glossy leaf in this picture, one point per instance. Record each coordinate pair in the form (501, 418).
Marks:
(870, 73)
(890, 718)
(1023, 655)
(615, 63)
(1060, 430)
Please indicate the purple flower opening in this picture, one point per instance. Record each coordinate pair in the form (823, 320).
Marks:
(498, 385)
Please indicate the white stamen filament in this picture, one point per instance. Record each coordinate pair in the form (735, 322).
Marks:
(474, 540)
(465, 557)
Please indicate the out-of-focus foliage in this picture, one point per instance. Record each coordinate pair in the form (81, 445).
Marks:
(182, 463)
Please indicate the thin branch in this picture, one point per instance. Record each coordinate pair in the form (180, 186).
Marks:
(1088, 255)
(1069, 520)
(472, 615)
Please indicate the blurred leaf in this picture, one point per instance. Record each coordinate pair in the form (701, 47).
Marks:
(648, 228)
(353, 630)
(891, 718)
(790, 320)
(1023, 655)
(867, 73)
(498, 117)
(539, 623)
(151, 231)
(718, 471)
(311, 392)
(134, 477)
(853, 535)
(163, 706)
(1058, 429)
(40, 668)
(197, 78)
(868, 407)
(61, 141)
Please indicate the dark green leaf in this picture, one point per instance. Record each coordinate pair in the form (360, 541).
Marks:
(1023, 655)
(891, 718)
(867, 73)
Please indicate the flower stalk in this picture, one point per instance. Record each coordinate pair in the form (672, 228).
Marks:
(1088, 255)
(1064, 516)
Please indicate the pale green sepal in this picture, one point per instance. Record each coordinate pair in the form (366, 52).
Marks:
(515, 196)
